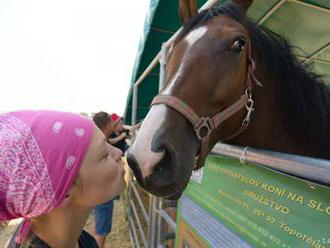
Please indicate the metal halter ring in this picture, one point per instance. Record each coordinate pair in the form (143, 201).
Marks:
(249, 108)
(205, 122)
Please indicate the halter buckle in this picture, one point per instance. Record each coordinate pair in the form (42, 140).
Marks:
(249, 108)
(205, 123)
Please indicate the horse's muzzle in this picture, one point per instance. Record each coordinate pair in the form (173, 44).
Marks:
(163, 181)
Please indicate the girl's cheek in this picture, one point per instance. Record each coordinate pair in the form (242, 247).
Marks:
(112, 172)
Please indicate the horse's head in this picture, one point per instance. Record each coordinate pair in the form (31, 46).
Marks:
(208, 69)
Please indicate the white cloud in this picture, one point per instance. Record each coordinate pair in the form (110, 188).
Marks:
(67, 54)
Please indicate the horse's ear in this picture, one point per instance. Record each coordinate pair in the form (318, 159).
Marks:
(188, 9)
(245, 4)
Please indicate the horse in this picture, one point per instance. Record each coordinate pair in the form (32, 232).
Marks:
(228, 79)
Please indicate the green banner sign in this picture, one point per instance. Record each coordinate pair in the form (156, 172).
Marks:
(234, 205)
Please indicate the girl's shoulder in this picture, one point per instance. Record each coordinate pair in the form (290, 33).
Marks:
(85, 241)
(32, 241)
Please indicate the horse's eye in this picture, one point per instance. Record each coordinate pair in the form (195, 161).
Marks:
(238, 45)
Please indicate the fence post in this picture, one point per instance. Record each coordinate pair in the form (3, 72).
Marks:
(163, 63)
(152, 232)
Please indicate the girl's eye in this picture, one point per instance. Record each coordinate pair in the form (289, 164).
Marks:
(238, 45)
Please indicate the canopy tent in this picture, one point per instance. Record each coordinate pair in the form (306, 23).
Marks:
(305, 23)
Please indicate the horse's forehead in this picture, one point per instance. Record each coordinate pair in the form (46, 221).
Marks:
(218, 26)
(223, 22)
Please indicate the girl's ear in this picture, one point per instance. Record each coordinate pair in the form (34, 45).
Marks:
(73, 194)
(68, 200)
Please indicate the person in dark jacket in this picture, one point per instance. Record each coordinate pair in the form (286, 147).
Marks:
(103, 212)
(118, 137)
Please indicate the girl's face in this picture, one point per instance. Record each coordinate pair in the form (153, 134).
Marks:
(119, 126)
(109, 128)
(101, 176)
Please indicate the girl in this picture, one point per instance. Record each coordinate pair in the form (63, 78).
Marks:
(54, 168)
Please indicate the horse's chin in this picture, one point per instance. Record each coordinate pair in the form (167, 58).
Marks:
(171, 192)
(174, 197)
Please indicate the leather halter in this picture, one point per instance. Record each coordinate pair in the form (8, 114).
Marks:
(204, 126)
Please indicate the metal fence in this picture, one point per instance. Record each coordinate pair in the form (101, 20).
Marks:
(152, 226)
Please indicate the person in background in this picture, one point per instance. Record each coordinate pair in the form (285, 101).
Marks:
(103, 213)
(103, 121)
(48, 165)
(118, 137)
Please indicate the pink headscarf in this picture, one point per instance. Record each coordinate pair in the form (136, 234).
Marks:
(40, 155)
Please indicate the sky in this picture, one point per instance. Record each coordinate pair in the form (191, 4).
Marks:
(68, 55)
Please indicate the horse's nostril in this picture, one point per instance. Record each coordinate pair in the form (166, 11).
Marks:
(162, 168)
(144, 163)
(133, 164)
(159, 168)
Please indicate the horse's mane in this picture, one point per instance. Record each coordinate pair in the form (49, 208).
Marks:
(304, 100)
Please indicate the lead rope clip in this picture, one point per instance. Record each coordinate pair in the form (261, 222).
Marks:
(242, 157)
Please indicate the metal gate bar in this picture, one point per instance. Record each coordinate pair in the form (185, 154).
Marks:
(133, 233)
(138, 223)
(137, 195)
(312, 169)
(167, 218)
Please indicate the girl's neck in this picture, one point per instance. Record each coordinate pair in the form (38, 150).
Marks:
(62, 227)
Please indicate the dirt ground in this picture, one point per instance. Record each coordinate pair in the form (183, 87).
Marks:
(118, 238)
